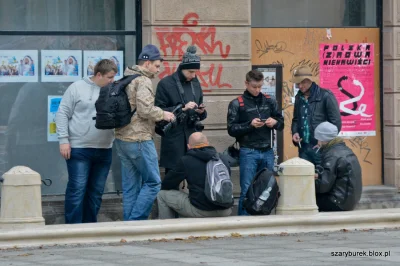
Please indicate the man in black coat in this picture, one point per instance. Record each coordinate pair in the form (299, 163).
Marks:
(313, 105)
(252, 117)
(338, 183)
(191, 167)
(182, 87)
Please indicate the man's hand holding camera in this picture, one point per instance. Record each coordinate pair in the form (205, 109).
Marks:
(168, 116)
(189, 105)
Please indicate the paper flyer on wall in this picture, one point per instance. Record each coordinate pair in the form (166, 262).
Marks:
(19, 66)
(61, 65)
(92, 57)
(348, 71)
(269, 84)
(52, 108)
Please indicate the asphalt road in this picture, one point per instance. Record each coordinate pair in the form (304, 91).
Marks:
(372, 247)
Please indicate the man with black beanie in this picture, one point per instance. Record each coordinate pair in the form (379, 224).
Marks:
(184, 88)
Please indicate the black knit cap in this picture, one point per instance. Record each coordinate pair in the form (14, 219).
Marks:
(190, 60)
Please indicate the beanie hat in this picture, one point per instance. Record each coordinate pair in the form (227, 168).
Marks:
(326, 132)
(190, 60)
(150, 53)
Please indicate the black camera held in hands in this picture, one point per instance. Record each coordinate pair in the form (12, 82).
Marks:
(163, 127)
(193, 120)
(190, 117)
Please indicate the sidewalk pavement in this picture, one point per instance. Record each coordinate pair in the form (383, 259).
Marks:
(368, 247)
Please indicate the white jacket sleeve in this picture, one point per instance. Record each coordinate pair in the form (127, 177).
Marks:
(64, 114)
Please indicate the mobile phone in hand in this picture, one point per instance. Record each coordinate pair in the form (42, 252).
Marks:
(263, 120)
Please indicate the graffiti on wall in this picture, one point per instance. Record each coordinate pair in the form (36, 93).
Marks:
(361, 145)
(174, 40)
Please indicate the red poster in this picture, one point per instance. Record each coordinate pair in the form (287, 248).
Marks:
(348, 71)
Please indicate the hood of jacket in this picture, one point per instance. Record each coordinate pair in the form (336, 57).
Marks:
(139, 70)
(205, 153)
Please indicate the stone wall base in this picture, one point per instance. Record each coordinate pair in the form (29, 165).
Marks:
(374, 197)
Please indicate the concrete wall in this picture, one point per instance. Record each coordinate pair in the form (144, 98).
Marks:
(391, 86)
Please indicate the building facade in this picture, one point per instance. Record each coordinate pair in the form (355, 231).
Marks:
(232, 36)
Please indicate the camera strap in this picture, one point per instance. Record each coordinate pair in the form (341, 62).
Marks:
(180, 88)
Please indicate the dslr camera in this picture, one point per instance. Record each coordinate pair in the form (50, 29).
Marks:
(163, 127)
(190, 117)
(193, 120)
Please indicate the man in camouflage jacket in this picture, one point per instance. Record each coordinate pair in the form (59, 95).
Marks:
(135, 146)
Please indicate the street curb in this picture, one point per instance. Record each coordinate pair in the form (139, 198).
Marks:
(112, 232)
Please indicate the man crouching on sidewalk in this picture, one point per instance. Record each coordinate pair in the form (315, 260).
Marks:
(338, 184)
(191, 167)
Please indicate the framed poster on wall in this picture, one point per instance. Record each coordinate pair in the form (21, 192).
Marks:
(19, 66)
(92, 57)
(273, 86)
(61, 65)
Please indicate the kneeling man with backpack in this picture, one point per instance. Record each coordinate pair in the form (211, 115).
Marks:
(208, 176)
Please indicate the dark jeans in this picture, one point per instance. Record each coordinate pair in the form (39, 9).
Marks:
(308, 153)
(87, 174)
(325, 204)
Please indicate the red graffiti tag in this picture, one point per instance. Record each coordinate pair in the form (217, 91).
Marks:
(206, 77)
(173, 41)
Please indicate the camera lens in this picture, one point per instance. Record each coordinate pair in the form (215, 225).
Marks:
(199, 126)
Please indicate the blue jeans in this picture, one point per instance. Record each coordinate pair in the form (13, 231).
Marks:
(87, 175)
(252, 161)
(141, 180)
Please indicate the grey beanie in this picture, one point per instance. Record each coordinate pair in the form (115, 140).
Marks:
(326, 132)
(190, 60)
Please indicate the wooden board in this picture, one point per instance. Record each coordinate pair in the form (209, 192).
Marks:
(293, 47)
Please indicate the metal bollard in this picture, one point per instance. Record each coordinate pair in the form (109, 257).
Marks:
(21, 199)
(297, 187)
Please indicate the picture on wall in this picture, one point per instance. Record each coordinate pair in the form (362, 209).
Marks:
(52, 108)
(18, 66)
(92, 57)
(269, 83)
(61, 65)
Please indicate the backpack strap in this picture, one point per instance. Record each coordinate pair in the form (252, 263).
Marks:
(241, 103)
(127, 80)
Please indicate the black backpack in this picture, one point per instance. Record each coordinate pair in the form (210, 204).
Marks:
(263, 194)
(113, 109)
